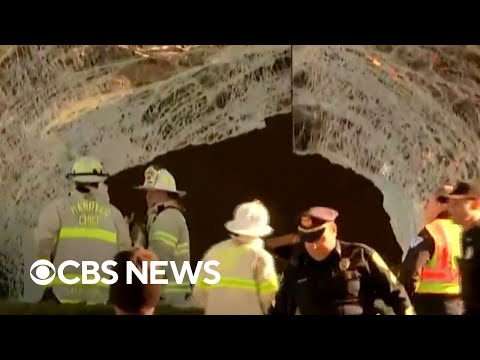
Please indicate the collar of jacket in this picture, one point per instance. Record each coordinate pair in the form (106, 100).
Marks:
(444, 215)
(87, 196)
(155, 208)
(244, 240)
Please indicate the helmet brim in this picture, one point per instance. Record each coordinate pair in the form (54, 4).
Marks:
(154, 188)
(87, 178)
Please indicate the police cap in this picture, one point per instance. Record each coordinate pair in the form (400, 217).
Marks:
(441, 194)
(465, 190)
(314, 218)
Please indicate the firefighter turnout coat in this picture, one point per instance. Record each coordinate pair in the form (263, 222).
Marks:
(80, 227)
(248, 281)
(168, 238)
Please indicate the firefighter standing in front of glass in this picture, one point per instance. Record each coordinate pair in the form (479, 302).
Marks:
(167, 231)
(248, 280)
(82, 226)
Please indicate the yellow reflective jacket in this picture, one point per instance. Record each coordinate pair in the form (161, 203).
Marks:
(169, 239)
(80, 227)
(248, 279)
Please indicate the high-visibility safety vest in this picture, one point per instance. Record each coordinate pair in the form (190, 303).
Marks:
(441, 274)
(88, 232)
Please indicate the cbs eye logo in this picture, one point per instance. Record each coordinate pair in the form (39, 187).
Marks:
(41, 275)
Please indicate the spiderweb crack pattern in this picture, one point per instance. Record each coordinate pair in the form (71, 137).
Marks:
(406, 117)
(125, 104)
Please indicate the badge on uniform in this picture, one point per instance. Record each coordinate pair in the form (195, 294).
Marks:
(150, 176)
(468, 253)
(344, 264)
(306, 222)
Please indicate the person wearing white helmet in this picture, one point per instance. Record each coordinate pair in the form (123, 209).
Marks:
(167, 231)
(248, 281)
(82, 226)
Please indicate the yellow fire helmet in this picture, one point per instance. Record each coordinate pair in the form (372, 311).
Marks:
(87, 170)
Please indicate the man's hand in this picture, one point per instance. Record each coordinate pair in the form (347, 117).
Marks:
(129, 219)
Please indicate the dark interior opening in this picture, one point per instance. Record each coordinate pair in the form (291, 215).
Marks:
(261, 165)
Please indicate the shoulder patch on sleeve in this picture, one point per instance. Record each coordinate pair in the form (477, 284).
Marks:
(417, 240)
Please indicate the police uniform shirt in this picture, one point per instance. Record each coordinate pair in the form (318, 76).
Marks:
(469, 266)
(347, 282)
(421, 250)
(471, 244)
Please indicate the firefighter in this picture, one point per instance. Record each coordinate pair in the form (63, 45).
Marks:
(82, 226)
(464, 207)
(167, 231)
(248, 279)
(334, 277)
(429, 271)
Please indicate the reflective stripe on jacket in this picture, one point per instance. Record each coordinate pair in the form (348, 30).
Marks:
(248, 279)
(80, 227)
(169, 239)
(441, 275)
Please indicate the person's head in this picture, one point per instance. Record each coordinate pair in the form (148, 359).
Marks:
(464, 204)
(318, 231)
(88, 174)
(160, 186)
(135, 298)
(437, 204)
(87, 170)
(250, 220)
(154, 197)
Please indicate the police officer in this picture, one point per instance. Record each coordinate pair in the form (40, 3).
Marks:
(334, 277)
(464, 206)
(429, 271)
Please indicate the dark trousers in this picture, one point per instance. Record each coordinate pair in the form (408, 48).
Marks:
(438, 304)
